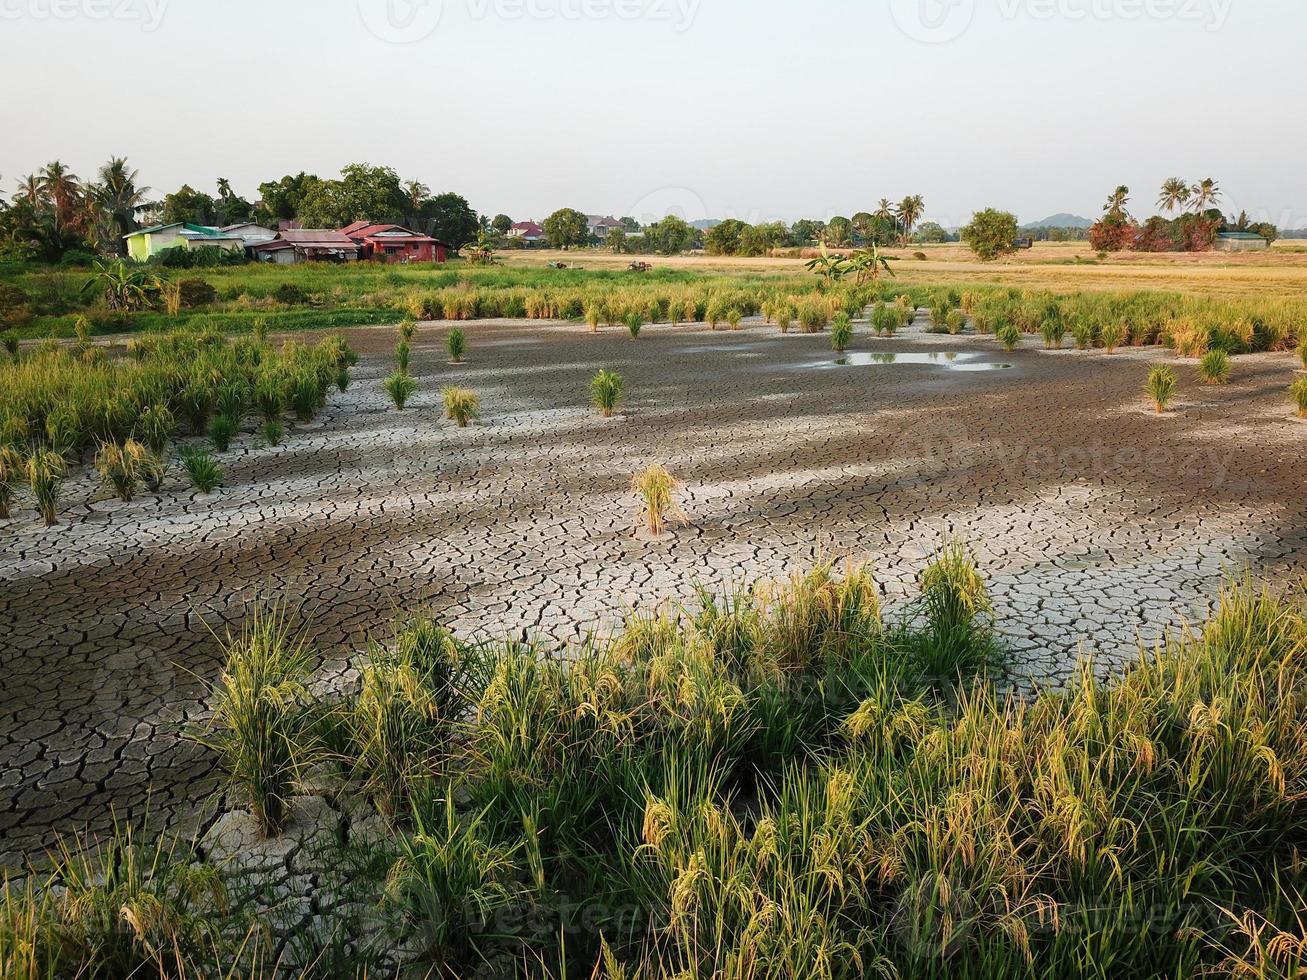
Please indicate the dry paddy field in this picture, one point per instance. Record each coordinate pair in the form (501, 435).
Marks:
(1098, 523)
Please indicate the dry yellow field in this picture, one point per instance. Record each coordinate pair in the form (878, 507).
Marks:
(1053, 265)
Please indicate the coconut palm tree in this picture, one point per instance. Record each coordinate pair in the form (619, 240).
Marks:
(29, 190)
(61, 188)
(884, 210)
(1116, 202)
(1175, 194)
(416, 192)
(1204, 195)
(910, 210)
(116, 200)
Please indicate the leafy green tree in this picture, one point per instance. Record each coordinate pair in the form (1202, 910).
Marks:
(1204, 195)
(1115, 208)
(839, 232)
(761, 239)
(629, 224)
(450, 218)
(725, 238)
(617, 241)
(230, 208)
(991, 233)
(806, 232)
(188, 205)
(932, 233)
(282, 198)
(502, 223)
(363, 193)
(671, 236)
(567, 228)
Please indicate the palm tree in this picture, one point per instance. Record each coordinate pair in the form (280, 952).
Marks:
(910, 211)
(1175, 193)
(29, 190)
(61, 188)
(884, 210)
(1115, 206)
(116, 200)
(416, 192)
(224, 188)
(1204, 195)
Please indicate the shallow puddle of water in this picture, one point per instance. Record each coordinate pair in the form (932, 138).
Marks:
(948, 360)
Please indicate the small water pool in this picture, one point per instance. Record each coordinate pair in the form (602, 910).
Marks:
(948, 360)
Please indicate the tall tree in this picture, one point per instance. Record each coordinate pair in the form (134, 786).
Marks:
(450, 218)
(416, 192)
(61, 188)
(118, 199)
(566, 228)
(1204, 195)
(29, 190)
(1175, 194)
(1115, 207)
(910, 210)
(502, 223)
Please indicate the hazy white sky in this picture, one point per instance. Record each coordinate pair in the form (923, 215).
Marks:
(756, 109)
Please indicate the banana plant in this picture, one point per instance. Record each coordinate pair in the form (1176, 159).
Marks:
(829, 267)
(868, 263)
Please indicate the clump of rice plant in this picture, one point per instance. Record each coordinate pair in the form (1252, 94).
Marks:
(456, 345)
(954, 321)
(11, 478)
(606, 392)
(784, 316)
(714, 312)
(939, 311)
(1053, 330)
(342, 379)
(1161, 386)
(45, 477)
(308, 393)
(123, 467)
(202, 469)
(841, 332)
(1083, 332)
(155, 425)
(594, 315)
(884, 320)
(1009, 335)
(733, 317)
(812, 317)
(271, 395)
(461, 405)
(9, 340)
(1298, 393)
(407, 328)
(273, 432)
(1302, 350)
(403, 353)
(634, 320)
(1214, 368)
(958, 613)
(1113, 334)
(401, 387)
(657, 489)
(259, 726)
(222, 430)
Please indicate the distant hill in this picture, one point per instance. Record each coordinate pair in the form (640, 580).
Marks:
(1061, 221)
(706, 224)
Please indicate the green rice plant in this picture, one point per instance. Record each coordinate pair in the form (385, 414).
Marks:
(259, 728)
(1083, 332)
(594, 315)
(407, 328)
(957, 610)
(784, 316)
(1113, 334)
(11, 478)
(307, 394)
(1053, 329)
(9, 340)
(154, 469)
(1161, 386)
(403, 352)
(155, 426)
(939, 311)
(634, 320)
(273, 432)
(400, 387)
(231, 398)
(1009, 335)
(271, 395)
(195, 402)
(222, 430)
(1298, 393)
(812, 317)
(733, 317)
(1214, 368)
(461, 405)
(456, 344)
(715, 312)
(606, 392)
(657, 489)
(202, 469)
(123, 467)
(954, 321)
(342, 379)
(1302, 350)
(841, 332)
(45, 477)
(884, 320)
(82, 330)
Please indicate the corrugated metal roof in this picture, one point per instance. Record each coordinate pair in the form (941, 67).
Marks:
(324, 237)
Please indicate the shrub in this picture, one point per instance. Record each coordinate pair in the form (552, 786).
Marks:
(45, 476)
(400, 387)
(259, 725)
(657, 489)
(456, 344)
(290, 294)
(122, 468)
(1009, 335)
(11, 477)
(1113, 334)
(202, 469)
(634, 320)
(1161, 386)
(461, 406)
(1298, 392)
(403, 351)
(221, 431)
(606, 392)
(1214, 368)
(841, 332)
(195, 292)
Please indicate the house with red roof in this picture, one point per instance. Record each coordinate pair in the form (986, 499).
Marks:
(394, 243)
(527, 232)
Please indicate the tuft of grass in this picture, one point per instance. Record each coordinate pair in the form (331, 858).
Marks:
(657, 489)
(1161, 386)
(1214, 368)
(403, 353)
(11, 478)
(1298, 393)
(222, 430)
(456, 345)
(260, 727)
(273, 432)
(400, 387)
(461, 405)
(123, 468)
(841, 332)
(606, 392)
(202, 469)
(45, 477)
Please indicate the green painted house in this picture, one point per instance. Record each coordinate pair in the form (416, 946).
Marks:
(146, 243)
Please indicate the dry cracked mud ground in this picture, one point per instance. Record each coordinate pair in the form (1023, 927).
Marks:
(1098, 523)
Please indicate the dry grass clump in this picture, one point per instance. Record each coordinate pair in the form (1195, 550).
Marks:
(1298, 393)
(123, 468)
(45, 478)
(461, 405)
(657, 489)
